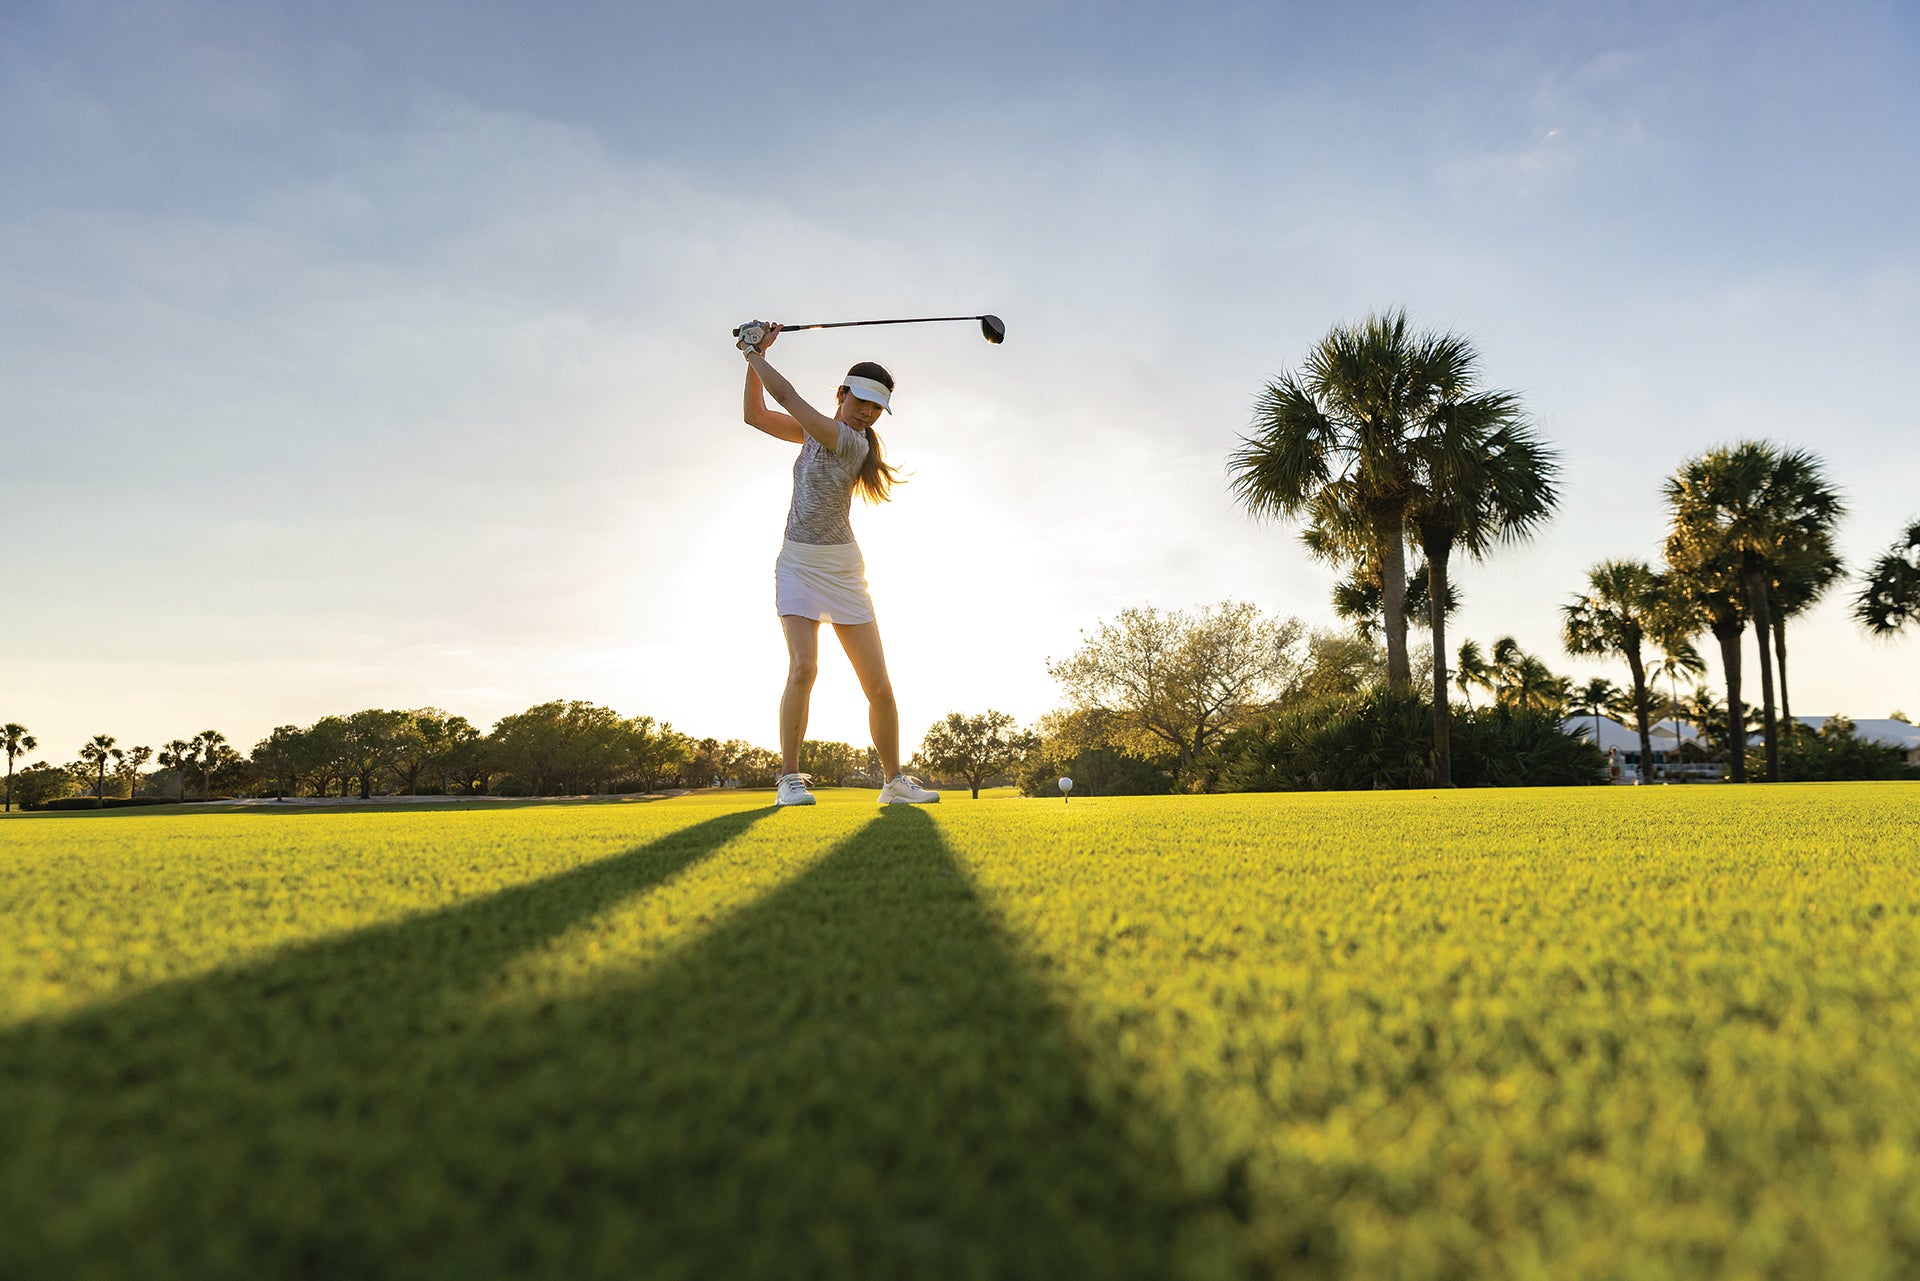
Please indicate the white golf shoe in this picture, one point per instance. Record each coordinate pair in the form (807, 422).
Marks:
(906, 791)
(793, 790)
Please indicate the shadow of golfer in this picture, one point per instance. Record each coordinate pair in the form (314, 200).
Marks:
(853, 1075)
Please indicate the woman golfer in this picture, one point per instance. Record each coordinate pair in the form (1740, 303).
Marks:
(819, 575)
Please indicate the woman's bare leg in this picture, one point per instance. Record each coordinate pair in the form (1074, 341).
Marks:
(803, 664)
(862, 643)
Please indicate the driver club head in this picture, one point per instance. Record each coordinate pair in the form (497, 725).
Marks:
(994, 328)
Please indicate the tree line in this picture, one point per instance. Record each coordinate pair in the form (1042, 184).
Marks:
(1384, 445)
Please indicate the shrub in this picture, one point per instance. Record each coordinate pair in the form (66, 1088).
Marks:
(1095, 771)
(69, 803)
(1835, 754)
(1384, 739)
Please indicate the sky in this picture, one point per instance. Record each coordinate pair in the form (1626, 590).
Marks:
(377, 355)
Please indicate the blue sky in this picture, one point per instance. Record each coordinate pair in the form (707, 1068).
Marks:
(376, 355)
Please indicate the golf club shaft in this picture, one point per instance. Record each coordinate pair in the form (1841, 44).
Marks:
(848, 324)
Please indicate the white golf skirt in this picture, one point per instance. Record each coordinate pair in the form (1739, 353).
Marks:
(823, 582)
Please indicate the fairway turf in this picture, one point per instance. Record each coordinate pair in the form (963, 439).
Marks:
(1626, 1032)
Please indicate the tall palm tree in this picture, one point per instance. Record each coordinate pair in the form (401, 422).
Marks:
(206, 745)
(1614, 616)
(1598, 695)
(1706, 589)
(1889, 596)
(1799, 578)
(1753, 503)
(1484, 480)
(1471, 670)
(97, 751)
(15, 741)
(1339, 435)
(1357, 599)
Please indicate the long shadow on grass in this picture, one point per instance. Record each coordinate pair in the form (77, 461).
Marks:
(852, 1076)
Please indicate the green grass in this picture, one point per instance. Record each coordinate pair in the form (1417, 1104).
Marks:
(1621, 1032)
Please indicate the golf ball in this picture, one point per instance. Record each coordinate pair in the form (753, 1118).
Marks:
(1066, 785)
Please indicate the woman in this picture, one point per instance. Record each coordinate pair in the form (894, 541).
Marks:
(819, 575)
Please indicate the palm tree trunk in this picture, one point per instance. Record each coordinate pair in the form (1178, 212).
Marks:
(1437, 616)
(1393, 596)
(1728, 634)
(1763, 631)
(1641, 711)
(1780, 665)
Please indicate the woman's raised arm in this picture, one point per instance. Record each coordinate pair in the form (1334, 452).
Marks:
(810, 420)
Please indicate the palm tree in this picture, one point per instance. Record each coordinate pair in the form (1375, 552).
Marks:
(206, 745)
(1707, 590)
(1505, 665)
(1800, 578)
(1598, 695)
(1484, 480)
(1538, 688)
(15, 741)
(1471, 670)
(179, 756)
(1754, 504)
(1889, 596)
(1338, 437)
(97, 752)
(1677, 657)
(1620, 607)
(1357, 599)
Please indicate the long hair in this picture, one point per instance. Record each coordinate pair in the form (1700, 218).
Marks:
(876, 478)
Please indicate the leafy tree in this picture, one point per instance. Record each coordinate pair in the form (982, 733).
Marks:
(1889, 597)
(1753, 506)
(96, 752)
(1620, 610)
(40, 782)
(1080, 743)
(830, 763)
(656, 751)
(413, 744)
(975, 748)
(325, 753)
(15, 741)
(373, 740)
(1338, 664)
(1175, 680)
(280, 758)
(753, 766)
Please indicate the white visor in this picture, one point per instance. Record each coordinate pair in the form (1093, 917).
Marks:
(867, 389)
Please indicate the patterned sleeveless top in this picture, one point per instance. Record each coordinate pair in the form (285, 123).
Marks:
(823, 490)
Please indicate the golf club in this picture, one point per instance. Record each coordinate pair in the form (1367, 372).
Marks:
(992, 328)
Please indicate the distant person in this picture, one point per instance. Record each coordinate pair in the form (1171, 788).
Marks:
(820, 576)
